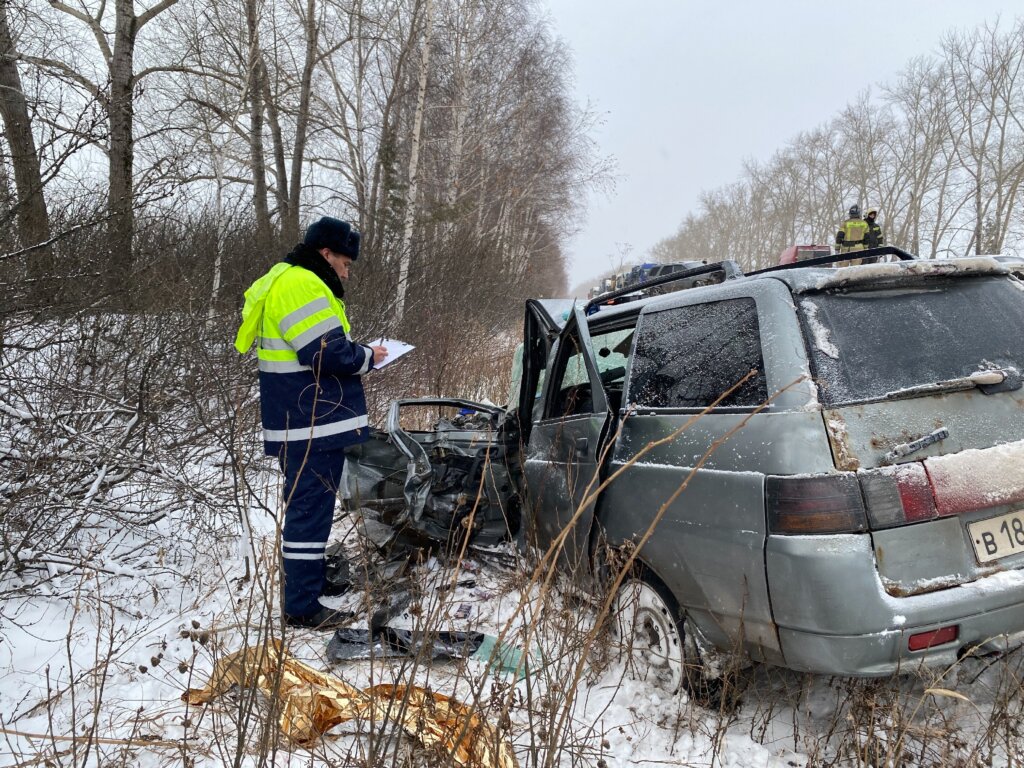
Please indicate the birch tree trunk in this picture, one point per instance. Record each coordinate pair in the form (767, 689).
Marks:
(221, 219)
(405, 252)
(255, 76)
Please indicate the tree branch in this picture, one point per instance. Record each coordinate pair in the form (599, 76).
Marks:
(52, 240)
(152, 13)
(89, 21)
(69, 73)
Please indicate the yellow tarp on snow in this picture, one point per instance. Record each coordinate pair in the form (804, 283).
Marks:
(314, 702)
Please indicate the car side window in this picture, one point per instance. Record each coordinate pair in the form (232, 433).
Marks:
(686, 357)
(611, 353)
(573, 395)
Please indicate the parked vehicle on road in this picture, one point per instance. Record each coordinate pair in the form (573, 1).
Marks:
(816, 467)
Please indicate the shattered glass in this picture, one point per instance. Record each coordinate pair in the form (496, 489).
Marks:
(884, 341)
(686, 357)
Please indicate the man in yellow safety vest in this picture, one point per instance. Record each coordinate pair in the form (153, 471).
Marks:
(311, 399)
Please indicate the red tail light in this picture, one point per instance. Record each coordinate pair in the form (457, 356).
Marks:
(814, 504)
(923, 640)
(898, 495)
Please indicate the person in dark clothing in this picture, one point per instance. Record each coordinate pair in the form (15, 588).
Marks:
(311, 399)
(873, 238)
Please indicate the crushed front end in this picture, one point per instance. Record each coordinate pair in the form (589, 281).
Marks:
(437, 474)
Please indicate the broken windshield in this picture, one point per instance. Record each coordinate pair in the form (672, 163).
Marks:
(869, 344)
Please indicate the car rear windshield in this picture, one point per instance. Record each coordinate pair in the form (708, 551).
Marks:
(867, 344)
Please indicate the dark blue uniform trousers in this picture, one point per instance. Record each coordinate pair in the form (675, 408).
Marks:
(310, 490)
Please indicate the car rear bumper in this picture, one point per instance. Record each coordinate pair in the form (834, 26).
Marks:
(833, 615)
(885, 653)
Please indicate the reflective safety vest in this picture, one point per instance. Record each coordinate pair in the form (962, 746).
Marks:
(854, 231)
(310, 390)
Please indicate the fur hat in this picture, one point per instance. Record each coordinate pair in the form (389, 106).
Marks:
(335, 234)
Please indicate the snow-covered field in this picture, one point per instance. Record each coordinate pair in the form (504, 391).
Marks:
(137, 540)
(95, 664)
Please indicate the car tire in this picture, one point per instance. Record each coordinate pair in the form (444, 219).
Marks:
(652, 634)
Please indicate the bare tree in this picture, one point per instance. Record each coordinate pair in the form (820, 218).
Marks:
(405, 249)
(942, 153)
(985, 77)
(117, 95)
(33, 219)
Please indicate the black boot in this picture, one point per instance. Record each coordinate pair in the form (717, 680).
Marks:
(325, 619)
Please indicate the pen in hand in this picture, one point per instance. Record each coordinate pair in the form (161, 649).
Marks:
(380, 352)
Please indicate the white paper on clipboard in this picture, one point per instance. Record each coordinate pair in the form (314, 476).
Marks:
(395, 350)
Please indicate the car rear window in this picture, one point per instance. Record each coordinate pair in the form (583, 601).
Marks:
(867, 344)
(686, 357)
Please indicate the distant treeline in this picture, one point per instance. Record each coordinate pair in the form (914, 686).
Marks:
(940, 151)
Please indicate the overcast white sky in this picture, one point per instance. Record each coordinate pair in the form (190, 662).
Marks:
(687, 89)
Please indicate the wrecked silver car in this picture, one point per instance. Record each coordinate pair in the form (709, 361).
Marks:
(815, 467)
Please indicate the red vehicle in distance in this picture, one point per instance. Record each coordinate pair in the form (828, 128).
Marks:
(797, 253)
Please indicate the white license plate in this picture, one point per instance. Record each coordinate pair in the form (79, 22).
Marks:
(997, 537)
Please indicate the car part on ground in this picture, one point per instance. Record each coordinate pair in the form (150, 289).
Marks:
(349, 644)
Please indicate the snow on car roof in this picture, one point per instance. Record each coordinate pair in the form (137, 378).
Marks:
(824, 278)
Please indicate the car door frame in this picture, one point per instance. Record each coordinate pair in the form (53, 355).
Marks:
(556, 477)
(540, 331)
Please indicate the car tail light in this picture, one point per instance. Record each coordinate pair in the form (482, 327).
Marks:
(898, 495)
(814, 504)
(923, 640)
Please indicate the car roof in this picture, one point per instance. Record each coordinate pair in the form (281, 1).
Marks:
(806, 280)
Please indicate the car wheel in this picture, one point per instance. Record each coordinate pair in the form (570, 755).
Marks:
(648, 630)
(651, 631)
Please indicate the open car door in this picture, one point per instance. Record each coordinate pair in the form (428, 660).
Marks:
(563, 452)
(540, 329)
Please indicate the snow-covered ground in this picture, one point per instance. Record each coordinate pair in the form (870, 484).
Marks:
(126, 571)
(94, 666)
